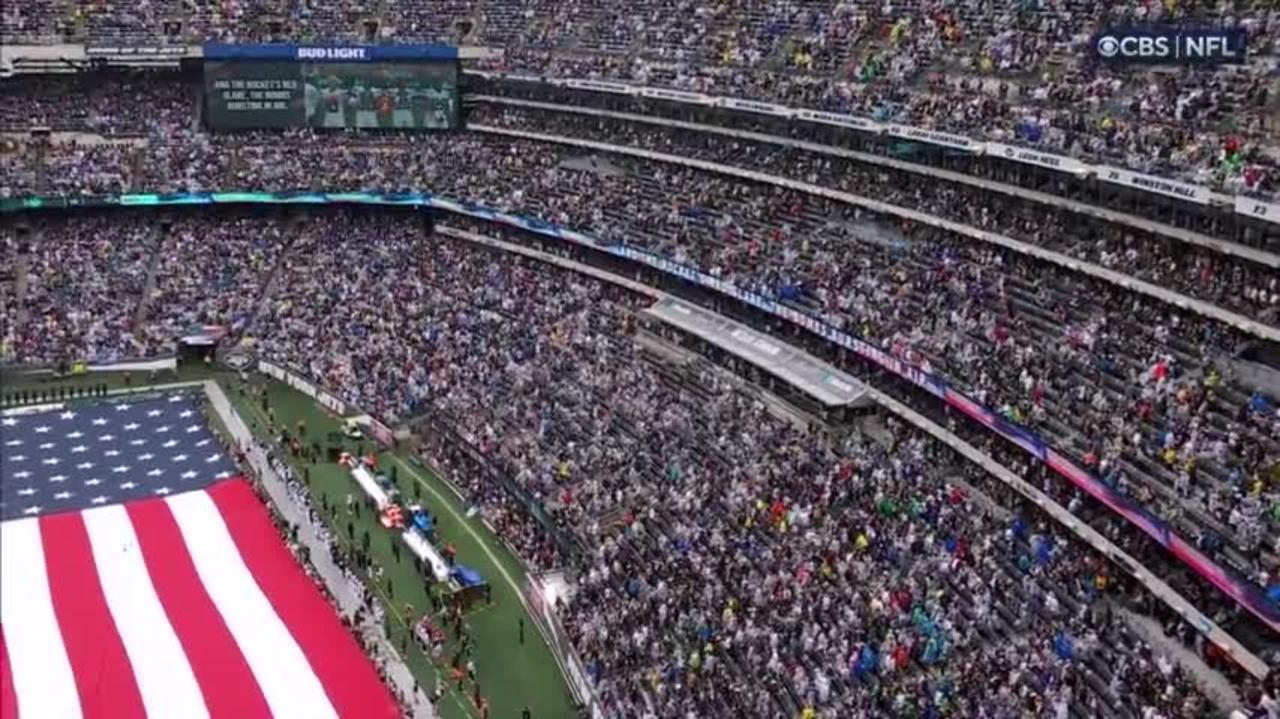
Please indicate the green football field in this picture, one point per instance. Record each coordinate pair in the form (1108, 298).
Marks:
(510, 675)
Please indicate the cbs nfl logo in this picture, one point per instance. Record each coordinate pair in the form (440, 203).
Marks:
(1172, 46)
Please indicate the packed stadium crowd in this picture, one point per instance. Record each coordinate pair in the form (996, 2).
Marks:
(729, 563)
(17, 168)
(1237, 284)
(211, 275)
(180, 152)
(1005, 71)
(1056, 357)
(1141, 393)
(717, 536)
(113, 103)
(84, 169)
(1174, 126)
(191, 160)
(1135, 542)
(255, 161)
(80, 292)
(100, 290)
(11, 249)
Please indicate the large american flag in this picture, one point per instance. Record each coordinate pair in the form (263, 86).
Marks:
(140, 577)
(76, 457)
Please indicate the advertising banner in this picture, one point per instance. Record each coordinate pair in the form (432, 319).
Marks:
(328, 53)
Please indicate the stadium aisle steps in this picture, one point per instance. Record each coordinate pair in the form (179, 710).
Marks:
(160, 243)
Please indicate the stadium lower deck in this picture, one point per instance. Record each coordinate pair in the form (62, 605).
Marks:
(529, 354)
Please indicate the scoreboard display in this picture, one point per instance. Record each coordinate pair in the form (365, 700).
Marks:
(330, 88)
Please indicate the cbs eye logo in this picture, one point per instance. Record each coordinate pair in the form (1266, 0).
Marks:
(1108, 46)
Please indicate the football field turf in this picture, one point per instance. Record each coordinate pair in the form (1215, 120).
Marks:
(511, 675)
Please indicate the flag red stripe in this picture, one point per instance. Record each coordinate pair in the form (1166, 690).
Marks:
(348, 676)
(104, 675)
(8, 695)
(226, 681)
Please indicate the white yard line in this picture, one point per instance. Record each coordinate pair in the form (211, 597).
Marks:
(484, 545)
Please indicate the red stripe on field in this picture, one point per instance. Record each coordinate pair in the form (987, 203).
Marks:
(8, 695)
(104, 675)
(348, 676)
(226, 681)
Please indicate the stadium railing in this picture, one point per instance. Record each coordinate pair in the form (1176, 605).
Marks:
(1213, 312)
(1254, 211)
(1173, 188)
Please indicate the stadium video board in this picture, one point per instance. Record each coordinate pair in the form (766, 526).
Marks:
(282, 86)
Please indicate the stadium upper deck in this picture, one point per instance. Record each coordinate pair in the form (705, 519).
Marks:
(1011, 71)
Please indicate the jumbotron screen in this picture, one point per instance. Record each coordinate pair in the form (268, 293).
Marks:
(385, 95)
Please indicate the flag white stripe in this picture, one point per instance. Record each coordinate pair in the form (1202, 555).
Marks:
(165, 680)
(285, 676)
(42, 676)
